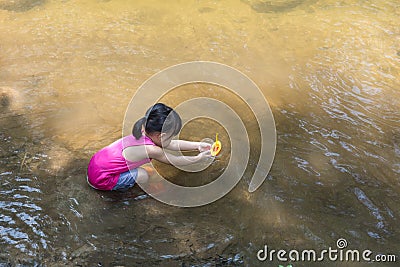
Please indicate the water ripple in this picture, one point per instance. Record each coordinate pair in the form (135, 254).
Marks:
(21, 219)
(362, 197)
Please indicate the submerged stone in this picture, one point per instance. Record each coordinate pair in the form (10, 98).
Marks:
(20, 5)
(273, 6)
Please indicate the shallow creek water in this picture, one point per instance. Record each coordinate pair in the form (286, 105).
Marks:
(329, 69)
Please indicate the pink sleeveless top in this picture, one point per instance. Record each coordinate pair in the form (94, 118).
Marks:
(108, 163)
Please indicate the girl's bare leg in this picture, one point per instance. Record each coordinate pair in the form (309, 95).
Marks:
(143, 176)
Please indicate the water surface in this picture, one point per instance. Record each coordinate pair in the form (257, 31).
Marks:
(329, 69)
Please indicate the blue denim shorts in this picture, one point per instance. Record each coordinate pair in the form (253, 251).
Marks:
(126, 180)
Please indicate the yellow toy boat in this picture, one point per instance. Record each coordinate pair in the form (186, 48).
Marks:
(216, 147)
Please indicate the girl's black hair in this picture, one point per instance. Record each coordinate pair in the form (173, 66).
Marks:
(158, 118)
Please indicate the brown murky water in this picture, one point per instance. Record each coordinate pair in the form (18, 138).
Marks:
(329, 69)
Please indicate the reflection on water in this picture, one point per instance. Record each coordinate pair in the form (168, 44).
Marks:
(329, 69)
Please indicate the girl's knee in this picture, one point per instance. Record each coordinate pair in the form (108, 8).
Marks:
(143, 176)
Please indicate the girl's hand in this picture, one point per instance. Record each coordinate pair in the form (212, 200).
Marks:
(205, 155)
(203, 146)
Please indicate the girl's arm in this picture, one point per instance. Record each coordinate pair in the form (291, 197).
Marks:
(188, 145)
(158, 153)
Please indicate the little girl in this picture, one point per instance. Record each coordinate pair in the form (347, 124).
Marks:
(117, 166)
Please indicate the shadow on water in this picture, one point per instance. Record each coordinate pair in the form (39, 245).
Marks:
(23, 221)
